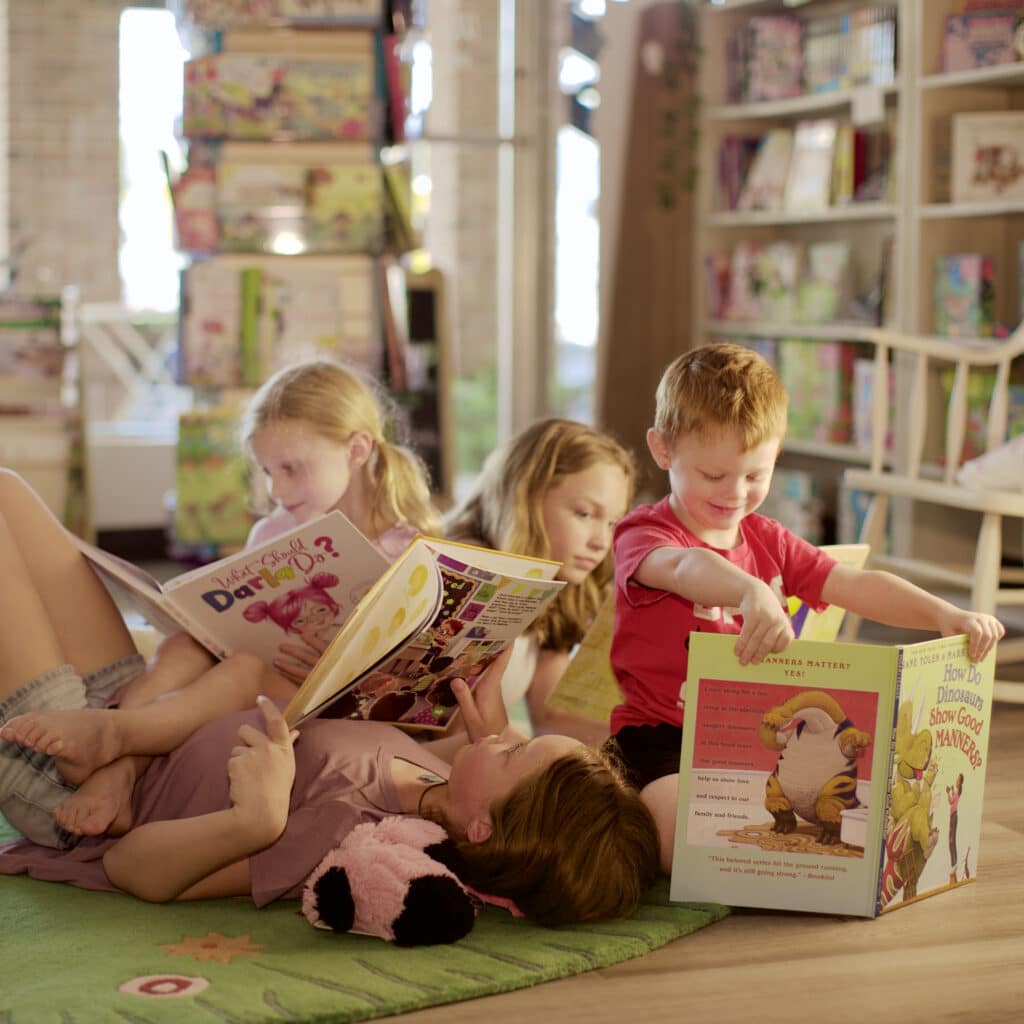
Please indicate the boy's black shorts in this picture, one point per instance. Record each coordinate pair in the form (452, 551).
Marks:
(646, 752)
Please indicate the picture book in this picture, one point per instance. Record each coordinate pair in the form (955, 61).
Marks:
(979, 39)
(442, 611)
(745, 284)
(765, 183)
(988, 156)
(208, 351)
(261, 206)
(833, 778)
(774, 55)
(964, 294)
(823, 293)
(588, 685)
(254, 601)
(809, 181)
(779, 266)
(242, 13)
(818, 376)
(211, 484)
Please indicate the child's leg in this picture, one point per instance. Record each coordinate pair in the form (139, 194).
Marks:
(179, 661)
(53, 608)
(662, 798)
(84, 740)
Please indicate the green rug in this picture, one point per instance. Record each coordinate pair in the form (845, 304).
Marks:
(71, 957)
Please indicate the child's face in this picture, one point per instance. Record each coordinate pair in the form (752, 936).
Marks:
(714, 482)
(580, 513)
(306, 473)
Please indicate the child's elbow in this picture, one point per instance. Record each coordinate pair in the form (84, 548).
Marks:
(143, 885)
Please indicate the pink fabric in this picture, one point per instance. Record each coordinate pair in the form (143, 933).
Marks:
(391, 543)
(652, 627)
(342, 779)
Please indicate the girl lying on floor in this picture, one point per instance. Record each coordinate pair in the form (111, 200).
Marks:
(236, 810)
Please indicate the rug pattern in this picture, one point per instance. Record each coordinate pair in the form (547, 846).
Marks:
(76, 957)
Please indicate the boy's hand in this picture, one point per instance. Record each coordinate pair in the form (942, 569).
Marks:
(983, 631)
(261, 770)
(766, 625)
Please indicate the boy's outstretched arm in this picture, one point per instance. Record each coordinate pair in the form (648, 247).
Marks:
(705, 577)
(886, 598)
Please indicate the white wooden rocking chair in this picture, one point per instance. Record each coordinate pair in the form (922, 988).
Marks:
(922, 468)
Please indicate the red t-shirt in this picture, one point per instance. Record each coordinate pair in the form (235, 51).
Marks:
(652, 627)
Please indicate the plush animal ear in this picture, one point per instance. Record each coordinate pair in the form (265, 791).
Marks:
(332, 896)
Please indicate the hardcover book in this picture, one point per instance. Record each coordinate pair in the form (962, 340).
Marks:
(988, 156)
(254, 601)
(978, 39)
(809, 181)
(833, 778)
(964, 287)
(765, 184)
(442, 611)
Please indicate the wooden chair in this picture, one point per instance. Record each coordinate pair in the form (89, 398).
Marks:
(921, 467)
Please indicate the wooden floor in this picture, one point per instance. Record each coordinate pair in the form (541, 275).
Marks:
(958, 956)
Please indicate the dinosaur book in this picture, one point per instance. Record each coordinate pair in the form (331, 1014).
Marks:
(834, 778)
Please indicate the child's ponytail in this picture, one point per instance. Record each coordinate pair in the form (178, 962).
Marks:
(402, 494)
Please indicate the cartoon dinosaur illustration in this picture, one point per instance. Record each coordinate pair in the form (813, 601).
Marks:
(815, 776)
(910, 836)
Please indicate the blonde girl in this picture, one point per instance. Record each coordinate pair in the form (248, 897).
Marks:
(555, 491)
(318, 431)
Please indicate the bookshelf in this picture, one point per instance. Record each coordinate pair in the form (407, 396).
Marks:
(894, 240)
(295, 212)
(41, 402)
(860, 228)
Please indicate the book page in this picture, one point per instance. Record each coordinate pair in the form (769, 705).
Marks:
(305, 582)
(437, 616)
(588, 685)
(774, 758)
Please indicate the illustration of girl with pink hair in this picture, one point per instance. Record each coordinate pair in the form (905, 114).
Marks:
(309, 613)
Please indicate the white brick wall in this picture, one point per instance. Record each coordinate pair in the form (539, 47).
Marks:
(60, 178)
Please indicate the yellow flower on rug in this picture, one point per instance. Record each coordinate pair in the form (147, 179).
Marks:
(214, 946)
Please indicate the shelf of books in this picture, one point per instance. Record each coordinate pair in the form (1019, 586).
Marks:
(799, 210)
(964, 259)
(294, 210)
(41, 421)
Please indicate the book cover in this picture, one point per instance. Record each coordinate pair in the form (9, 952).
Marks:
(831, 778)
(978, 39)
(779, 273)
(809, 181)
(309, 579)
(211, 484)
(344, 208)
(211, 325)
(818, 376)
(588, 685)
(244, 13)
(988, 156)
(745, 282)
(824, 292)
(261, 207)
(242, 95)
(774, 55)
(765, 184)
(964, 295)
(442, 611)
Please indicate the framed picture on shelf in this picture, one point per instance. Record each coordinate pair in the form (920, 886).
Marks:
(988, 156)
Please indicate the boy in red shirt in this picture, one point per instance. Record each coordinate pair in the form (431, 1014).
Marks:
(702, 559)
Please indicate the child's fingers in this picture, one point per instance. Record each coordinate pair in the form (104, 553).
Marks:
(277, 727)
(474, 720)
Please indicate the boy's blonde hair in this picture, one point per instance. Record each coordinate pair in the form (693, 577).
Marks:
(504, 511)
(336, 402)
(721, 387)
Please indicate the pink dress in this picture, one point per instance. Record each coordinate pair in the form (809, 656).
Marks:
(342, 778)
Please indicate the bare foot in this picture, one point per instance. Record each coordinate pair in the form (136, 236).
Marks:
(81, 740)
(102, 805)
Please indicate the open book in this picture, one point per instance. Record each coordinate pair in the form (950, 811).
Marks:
(308, 579)
(588, 686)
(835, 778)
(442, 611)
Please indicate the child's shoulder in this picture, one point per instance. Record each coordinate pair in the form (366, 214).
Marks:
(644, 515)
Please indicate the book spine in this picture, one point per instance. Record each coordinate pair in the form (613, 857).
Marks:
(887, 791)
(250, 356)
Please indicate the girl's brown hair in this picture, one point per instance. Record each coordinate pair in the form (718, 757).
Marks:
(571, 843)
(504, 511)
(337, 402)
